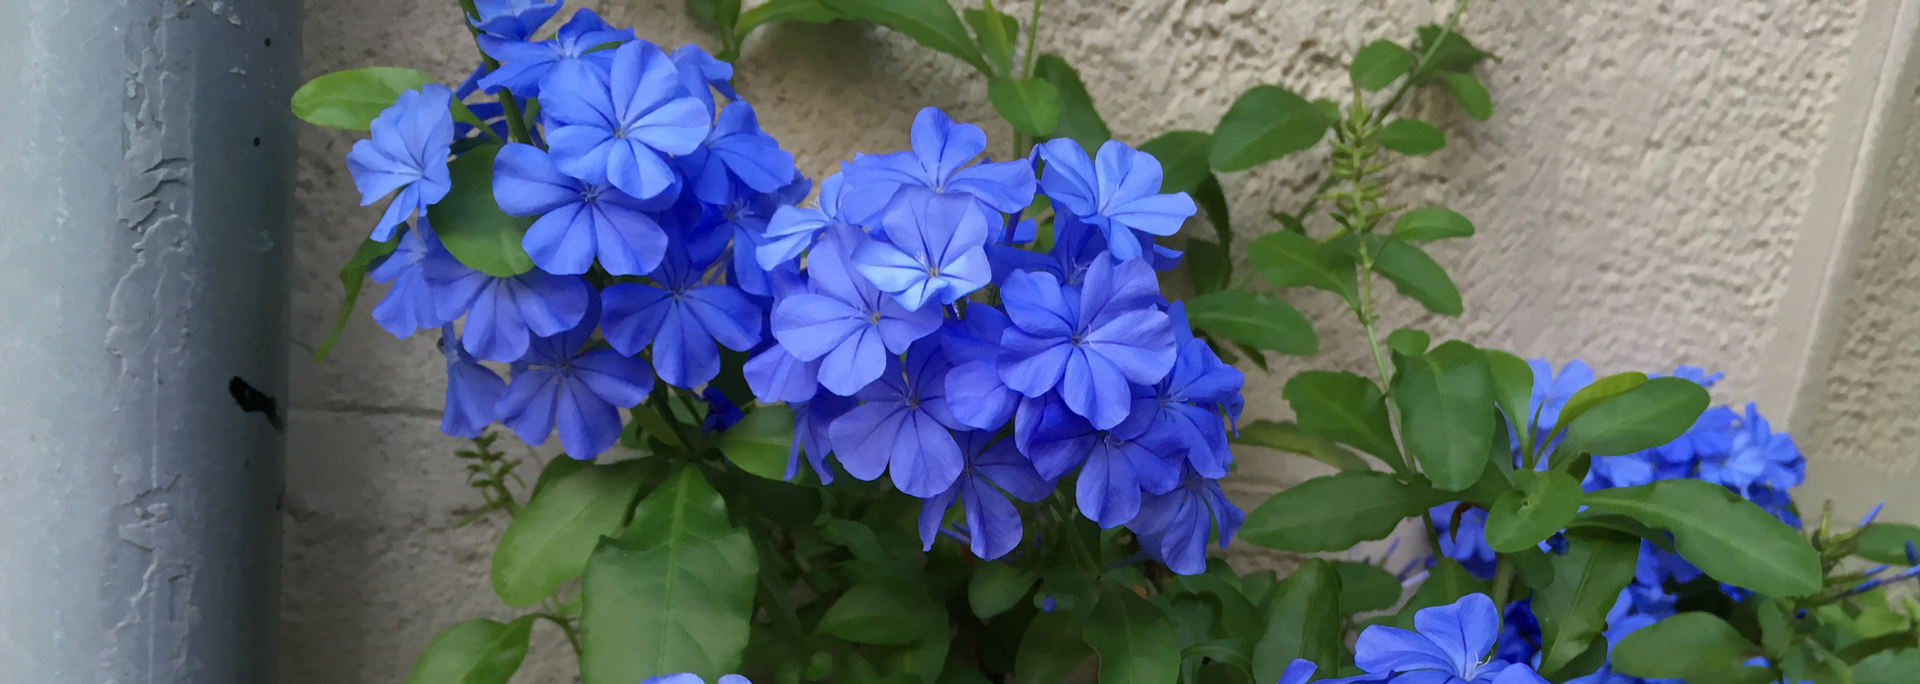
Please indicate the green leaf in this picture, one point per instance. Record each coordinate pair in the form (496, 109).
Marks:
(1588, 579)
(931, 23)
(1334, 512)
(884, 611)
(760, 442)
(1289, 259)
(1183, 158)
(1032, 105)
(1254, 319)
(1446, 582)
(1134, 638)
(810, 11)
(1213, 200)
(549, 541)
(1730, 538)
(351, 99)
(1623, 525)
(473, 652)
(1379, 64)
(1596, 393)
(674, 595)
(1412, 137)
(1365, 588)
(1079, 120)
(1887, 542)
(556, 468)
(1446, 412)
(1471, 95)
(1051, 649)
(1652, 414)
(1344, 407)
(472, 227)
(1454, 53)
(1431, 223)
(996, 587)
(1288, 437)
(1416, 275)
(723, 13)
(1545, 503)
(996, 34)
(353, 275)
(1408, 341)
(1513, 393)
(1888, 667)
(1206, 264)
(1266, 123)
(1684, 645)
(1303, 621)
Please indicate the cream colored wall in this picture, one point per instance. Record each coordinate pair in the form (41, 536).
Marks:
(1638, 192)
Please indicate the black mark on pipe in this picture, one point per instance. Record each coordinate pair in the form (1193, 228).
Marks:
(252, 400)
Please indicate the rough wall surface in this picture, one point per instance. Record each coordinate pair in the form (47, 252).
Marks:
(1636, 193)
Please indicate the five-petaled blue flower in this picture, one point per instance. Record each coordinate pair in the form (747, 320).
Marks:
(1088, 342)
(565, 382)
(812, 428)
(503, 313)
(975, 393)
(1118, 191)
(1190, 401)
(578, 222)
(846, 321)
(994, 470)
(473, 390)
(526, 68)
(1115, 465)
(1175, 526)
(792, 228)
(407, 152)
(513, 19)
(941, 159)
(409, 305)
(737, 152)
(1454, 645)
(682, 317)
(615, 128)
(903, 426)
(701, 74)
(936, 249)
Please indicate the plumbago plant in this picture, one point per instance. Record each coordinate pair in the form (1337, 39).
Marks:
(940, 425)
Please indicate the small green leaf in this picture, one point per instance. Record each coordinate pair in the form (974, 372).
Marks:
(1544, 504)
(549, 541)
(1254, 319)
(1446, 582)
(1887, 542)
(1513, 392)
(473, 652)
(1134, 638)
(725, 14)
(1205, 266)
(996, 34)
(1685, 645)
(1031, 105)
(353, 275)
(1079, 120)
(1379, 64)
(1596, 393)
(1289, 259)
(1471, 95)
(1412, 137)
(1588, 579)
(1888, 667)
(760, 442)
(1266, 123)
(351, 99)
(1288, 437)
(471, 225)
(1051, 649)
(1417, 276)
(1344, 407)
(1648, 415)
(1303, 621)
(1183, 159)
(810, 11)
(673, 595)
(1446, 412)
(1730, 538)
(884, 611)
(1213, 200)
(1335, 512)
(931, 23)
(1365, 588)
(1454, 53)
(1431, 223)
(996, 587)
(1623, 525)
(1408, 341)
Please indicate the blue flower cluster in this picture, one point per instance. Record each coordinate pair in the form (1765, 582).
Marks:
(1459, 643)
(923, 341)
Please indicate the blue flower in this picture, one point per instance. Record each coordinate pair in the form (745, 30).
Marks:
(975, 393)
(578, 222)
(812, 423)
(845, 321)
(502, 313)
(565, 381)
(1119, 192)
(1088, 342)
(409, 305)
(407, 152)
(513, 19)
(902, 426)
(774, 374)
(701, 74)
(473, 390)
(1115, 465)
(1175, 526)
(533, 69)
(1468, 544)
(1453, 646)
(616, 129)
(691, 678)
(1551, 391)
(1189, 402)
(721, 413)
(1757, 457)
(936, 249)
(681, 317)
(793, 228)
(941, 159)
(994, 470)
(737, 152)
(1301, 670)
(745, 218)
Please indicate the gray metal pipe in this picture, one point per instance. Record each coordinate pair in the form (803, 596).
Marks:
(145, 183)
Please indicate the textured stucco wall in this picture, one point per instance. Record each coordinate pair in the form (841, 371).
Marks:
(1637, 194)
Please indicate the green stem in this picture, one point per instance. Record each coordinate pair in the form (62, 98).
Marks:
(1033, 39)
(1502, 584)
(516, 124)
(1406, 85)
(566, 627)
(1367, 320)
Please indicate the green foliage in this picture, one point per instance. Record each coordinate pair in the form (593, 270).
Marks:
(1431, 223)
(996, 587)
(1255, 320)
(1366, 588)
(1730, 538)
(1134, 638)
(1886, 542)
(1587, 580)
(473, 652)
(1343, 407)
(1685, 645)
(1418, 276)
(997, 35)
(810, 11)
(1446, 582)
(1446, 407)
(1289, 259)
(884, 611)
(351, 99)
(1288, 437)
(353, 275)
(760, 442)
(1378, 64)
(1408, 341)
(1079, 121)
(1264, 124)
(1303, 621)
(1412, 137)
(1031, 105)
(471, 225)
(1643, 417)
(1051, 649)
(1335, 512)
(931, 23)
(1471, 95)
(548, 542)
(1544, 503)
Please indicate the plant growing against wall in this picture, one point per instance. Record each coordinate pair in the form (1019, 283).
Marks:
(939, 424)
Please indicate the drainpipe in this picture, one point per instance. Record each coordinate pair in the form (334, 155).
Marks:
(145, 182)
